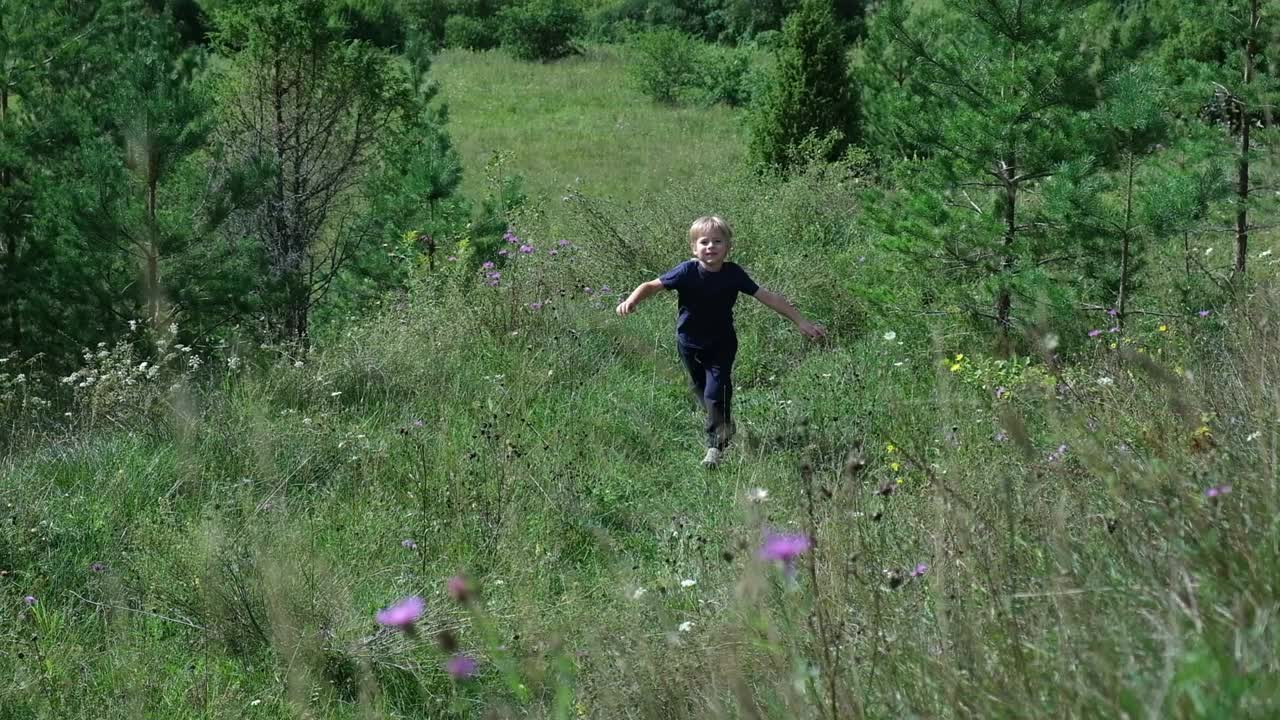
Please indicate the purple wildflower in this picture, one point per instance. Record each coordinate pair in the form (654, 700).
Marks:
(1217, 491)
(29, 600)
(779, 547)
(563, 243)
(587, 290)
(535, 306)
(453, 258)
(460, 667)
(1114, 329)
(1203, 313)
(1113, 312)
(401, 615)
(1000, 436)
(503, 252)
(526, 249)
(408, 544)
(552, 252)
(458, 588)
(921, 569)
(1094, 333)
(418, 423)
(604, 288)
(98, 567)
(488, 265)
(1058, 454)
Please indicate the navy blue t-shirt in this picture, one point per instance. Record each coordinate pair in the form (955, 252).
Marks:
(705, 315)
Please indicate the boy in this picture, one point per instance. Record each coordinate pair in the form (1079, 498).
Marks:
(708, 286)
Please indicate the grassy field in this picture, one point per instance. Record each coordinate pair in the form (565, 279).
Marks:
(578, 124)
(1091, 529)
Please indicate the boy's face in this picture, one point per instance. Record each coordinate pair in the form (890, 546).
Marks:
(711, 248)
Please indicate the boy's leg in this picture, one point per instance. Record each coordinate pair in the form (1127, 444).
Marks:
(693, 364)
(719, 396)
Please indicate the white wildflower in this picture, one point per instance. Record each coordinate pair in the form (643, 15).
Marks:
(891, 336)
(685, 626)
(298, 364)
(335, 393)
(687, 583)
(639, 593)
(757, 495)
(1105, 381)
(1253, 436)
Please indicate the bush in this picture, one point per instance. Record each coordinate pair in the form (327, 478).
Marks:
(540, 29)
(810, 94)
(461, 31)
(664, 64)
(726, 76)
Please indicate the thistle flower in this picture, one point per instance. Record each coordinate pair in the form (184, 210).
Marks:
(919, 570)
(29, 600)
(526, 249)
(460, 667)
(488, 265)
(1217, 491)
(458, 588)
(1203, 313)
(784, 548)
(1094, 333)
(402, 614)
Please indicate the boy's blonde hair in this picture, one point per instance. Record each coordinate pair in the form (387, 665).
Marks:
(706, 224)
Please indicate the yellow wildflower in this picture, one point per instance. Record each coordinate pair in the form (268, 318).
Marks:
(894, 466)
(1163, 328)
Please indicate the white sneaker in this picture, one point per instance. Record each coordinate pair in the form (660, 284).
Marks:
(712, 458)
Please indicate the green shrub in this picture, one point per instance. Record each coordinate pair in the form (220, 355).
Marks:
(468, 33)
(540, 29)
(725, 76)
(665, 64)
(810, 97)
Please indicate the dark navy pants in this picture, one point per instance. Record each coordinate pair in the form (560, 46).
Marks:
(711, 381)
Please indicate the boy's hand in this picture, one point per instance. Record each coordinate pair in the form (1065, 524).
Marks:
(626, 306)
(810, 330)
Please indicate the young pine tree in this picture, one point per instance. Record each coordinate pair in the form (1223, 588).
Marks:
(810, 96)
(320, 110)
(1004, 85)
(1122, 205)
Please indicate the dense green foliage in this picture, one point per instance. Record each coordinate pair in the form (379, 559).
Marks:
(809, 101)
(301, 314)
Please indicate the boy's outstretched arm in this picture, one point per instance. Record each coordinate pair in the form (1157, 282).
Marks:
(642, 291)
(780, 305)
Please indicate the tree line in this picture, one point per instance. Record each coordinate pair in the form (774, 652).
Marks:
(219, 164)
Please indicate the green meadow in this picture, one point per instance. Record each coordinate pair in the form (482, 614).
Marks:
(578, 125)
(1075, 523)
